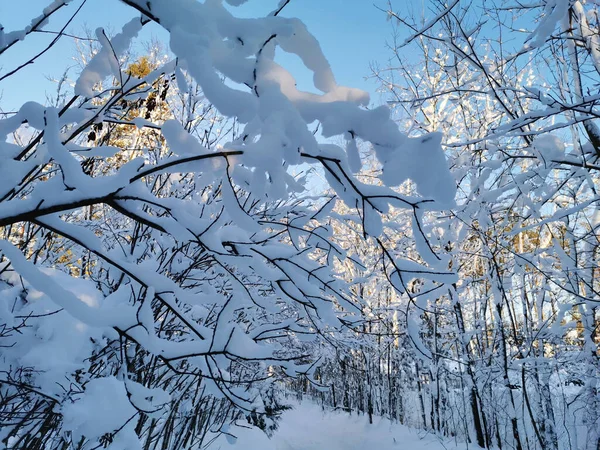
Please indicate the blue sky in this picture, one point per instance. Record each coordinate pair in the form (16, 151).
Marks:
(352, 33)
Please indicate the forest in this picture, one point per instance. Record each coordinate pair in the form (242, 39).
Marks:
(192, 244)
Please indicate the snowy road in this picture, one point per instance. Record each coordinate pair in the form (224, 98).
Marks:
(307, 427)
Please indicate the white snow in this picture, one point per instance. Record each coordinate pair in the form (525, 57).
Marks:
(308, 427)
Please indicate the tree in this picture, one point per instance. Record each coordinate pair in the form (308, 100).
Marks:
(198, 267)
(513, 87)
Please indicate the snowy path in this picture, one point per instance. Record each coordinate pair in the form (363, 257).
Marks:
(308, 428)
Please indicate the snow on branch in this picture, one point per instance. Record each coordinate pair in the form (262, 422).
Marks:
(155, 216)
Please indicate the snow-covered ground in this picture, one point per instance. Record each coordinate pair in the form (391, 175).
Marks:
(307, 427)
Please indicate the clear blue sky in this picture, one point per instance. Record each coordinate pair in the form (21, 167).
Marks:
(352, 33)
